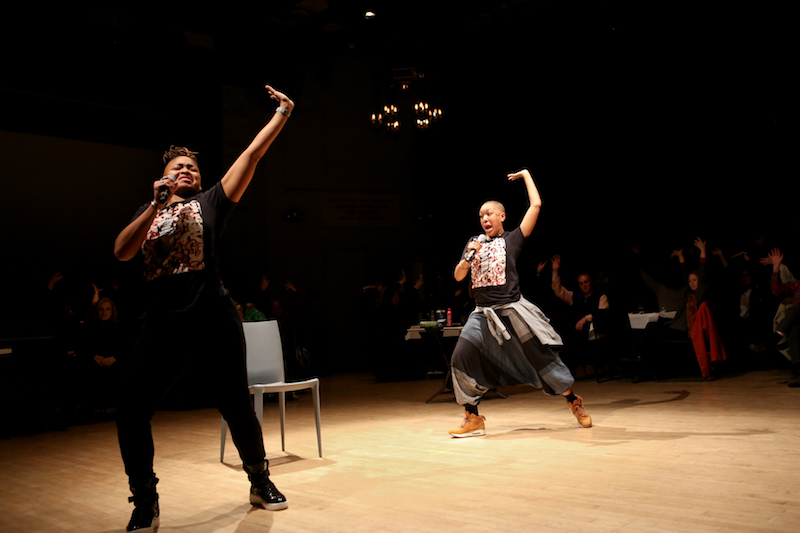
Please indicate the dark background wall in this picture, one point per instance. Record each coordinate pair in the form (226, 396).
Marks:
(644, 126)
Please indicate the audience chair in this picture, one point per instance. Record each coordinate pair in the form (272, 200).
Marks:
(266, 373)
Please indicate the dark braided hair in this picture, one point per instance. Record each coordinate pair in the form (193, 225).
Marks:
(178, 151)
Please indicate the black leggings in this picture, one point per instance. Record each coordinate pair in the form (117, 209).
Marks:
(165, 347)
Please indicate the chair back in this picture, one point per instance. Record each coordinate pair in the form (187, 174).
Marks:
(264, 352)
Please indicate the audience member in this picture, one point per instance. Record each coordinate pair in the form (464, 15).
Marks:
(577, 322)
(788, 327)
(583, 303)
(100, 354)
(745, 309)
(684, 302)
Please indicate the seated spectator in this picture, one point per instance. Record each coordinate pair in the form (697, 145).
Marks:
(684, 302)
(744, 309)
(788, 327)
(584, 303)
(100, 352)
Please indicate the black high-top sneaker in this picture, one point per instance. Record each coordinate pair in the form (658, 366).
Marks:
(262, 490)
(145, 513)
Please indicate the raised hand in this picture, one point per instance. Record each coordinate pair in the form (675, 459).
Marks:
(58, 276)
(283, 100)
(701, 244)
(541, 267)
(776, 258)
(556, 261)
(521, 174)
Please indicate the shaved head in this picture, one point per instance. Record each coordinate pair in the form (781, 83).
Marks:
(494, 205)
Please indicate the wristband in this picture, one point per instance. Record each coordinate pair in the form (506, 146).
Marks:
(283, 111)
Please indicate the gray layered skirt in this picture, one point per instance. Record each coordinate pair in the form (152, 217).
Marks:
(507, 345)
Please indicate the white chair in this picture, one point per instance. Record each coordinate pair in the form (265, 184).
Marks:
(265, 373)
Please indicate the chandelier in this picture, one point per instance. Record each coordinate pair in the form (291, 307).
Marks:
(408, 86)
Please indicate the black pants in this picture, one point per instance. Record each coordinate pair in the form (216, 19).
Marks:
(165, 347)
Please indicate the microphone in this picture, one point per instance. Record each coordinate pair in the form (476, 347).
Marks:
(163, 190)
(481, 239)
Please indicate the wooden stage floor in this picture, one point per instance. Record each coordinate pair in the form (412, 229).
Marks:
(713, 456)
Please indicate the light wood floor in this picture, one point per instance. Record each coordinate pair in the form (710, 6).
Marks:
(663, 457)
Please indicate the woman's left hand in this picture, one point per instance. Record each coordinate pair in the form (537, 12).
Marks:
(521, 174)
(283, 100)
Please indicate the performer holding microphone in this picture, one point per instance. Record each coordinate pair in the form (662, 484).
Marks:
(190, 317)
(506, 340)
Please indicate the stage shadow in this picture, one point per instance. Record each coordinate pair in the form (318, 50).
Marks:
(609, 436)
(241, 518)
(625, 403)
(289, 463)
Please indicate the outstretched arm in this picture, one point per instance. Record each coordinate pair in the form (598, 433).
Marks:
(701, 245)
(238, 177)
(532, 214)
(718, 252)
(558, 288)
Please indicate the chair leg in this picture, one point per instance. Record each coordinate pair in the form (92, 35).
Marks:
(258, 405)
(315, 397)
(223, 438)
(282, 404)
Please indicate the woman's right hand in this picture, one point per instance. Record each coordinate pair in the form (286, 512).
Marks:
(170, 182)
(475, 245)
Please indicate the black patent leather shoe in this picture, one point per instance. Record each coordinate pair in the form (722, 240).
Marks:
(262, 491)
(267, 496)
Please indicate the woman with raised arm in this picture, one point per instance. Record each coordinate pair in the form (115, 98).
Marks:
(789, 327)
(190, 317)
(507, 340)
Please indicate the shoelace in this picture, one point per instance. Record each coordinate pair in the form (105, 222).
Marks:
(466, 420)
(577, 405)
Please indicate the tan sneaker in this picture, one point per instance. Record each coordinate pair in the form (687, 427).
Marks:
(472, 426)
(580, 412)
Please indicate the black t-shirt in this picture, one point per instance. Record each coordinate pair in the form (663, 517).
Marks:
(180, 251)
(494, 269)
